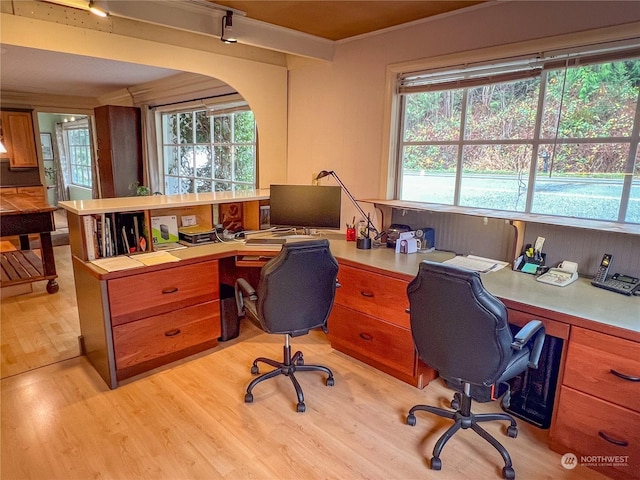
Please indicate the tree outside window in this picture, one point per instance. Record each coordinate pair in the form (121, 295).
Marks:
(206, 152)
(557, 141)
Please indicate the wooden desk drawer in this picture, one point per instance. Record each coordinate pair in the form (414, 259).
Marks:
(591, 358)
(582, 424)
(373, 339)
(373, 294)
(162, 335)
(154, 293)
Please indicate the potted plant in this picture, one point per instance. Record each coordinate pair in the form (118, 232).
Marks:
(140, 190)
(51, 177)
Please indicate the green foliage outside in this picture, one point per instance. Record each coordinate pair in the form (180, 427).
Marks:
(205, 154)
(594, 101)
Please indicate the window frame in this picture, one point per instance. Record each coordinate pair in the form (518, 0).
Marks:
(71, 165)
(536, 66)
(213, 108)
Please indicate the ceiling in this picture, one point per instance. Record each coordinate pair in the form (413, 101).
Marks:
(343, 19)
(21, 69)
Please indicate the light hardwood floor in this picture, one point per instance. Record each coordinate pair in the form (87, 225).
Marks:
(189, 421)
(39, 328)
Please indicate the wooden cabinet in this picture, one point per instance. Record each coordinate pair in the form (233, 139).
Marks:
(119, 136)
(141, 318)
(18, 139)
(161, 316)
(369, 322)
(598, 412)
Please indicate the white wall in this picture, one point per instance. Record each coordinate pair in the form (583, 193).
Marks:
(79, 193)
(337, 118)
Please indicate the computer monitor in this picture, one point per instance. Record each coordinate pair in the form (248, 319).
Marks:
(305, 206)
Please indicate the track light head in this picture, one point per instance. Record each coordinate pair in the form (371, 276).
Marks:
(97, 10)
(227, 27)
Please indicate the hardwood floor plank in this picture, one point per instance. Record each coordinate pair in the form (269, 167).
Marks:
(39, 328)
(189, 420)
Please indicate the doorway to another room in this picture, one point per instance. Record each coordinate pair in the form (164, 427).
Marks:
(39, 328)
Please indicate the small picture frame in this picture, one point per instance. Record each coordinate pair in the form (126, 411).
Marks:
(47, 146)
(265, 217)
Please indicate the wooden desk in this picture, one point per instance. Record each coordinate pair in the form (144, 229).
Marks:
(139, 319)
(21, 215)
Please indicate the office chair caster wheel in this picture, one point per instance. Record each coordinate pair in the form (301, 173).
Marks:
(248, 398)
(455, 403)
(436, 463)
(255, 370)
(300, 361)
(301, 407)
(508, 473)
(512, 432)
(411, 420)
(329, 382)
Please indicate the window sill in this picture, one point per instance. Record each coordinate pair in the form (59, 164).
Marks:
(630, 228)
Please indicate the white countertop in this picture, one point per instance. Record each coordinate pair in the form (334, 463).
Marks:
(579, 299)
(153, 202)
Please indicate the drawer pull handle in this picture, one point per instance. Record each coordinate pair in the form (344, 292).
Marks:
(366, 293)
(366, 336)
(624, 377)
(170, 290)
(172, 333)
(621, 443)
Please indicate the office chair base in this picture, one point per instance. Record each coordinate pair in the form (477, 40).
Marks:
(288, 367)
(464, 419)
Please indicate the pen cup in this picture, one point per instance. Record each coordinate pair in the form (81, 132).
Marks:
(351, 234)
(363, 243)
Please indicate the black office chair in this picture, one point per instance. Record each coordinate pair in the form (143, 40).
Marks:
(461, 330)
(295, 294)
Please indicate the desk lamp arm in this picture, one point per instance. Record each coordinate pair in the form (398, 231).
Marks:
(370, 226)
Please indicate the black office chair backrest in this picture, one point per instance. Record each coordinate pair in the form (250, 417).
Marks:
(458, 327)
(297, 288)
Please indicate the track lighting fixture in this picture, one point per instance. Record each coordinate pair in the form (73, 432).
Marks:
(96, 10)
(226, 34)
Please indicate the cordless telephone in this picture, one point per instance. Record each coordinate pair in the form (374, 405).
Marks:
(618, 283)
(603, 269)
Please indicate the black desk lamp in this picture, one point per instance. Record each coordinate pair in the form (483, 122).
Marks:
(362, 243)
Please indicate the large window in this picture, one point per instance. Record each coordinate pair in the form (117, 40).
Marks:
(555, 137)
(209, 151)
(77, 146)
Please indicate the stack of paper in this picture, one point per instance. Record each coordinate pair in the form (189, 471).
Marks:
(479, 264)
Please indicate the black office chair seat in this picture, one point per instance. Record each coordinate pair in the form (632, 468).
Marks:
(461, 330)
(295, 294)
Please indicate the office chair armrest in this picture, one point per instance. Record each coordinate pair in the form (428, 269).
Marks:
(532, 330)
(243, 288)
